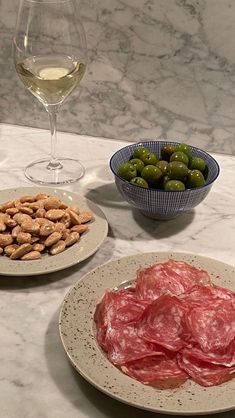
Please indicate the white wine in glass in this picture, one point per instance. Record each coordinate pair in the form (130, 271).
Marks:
(50, 53)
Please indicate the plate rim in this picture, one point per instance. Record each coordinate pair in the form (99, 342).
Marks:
(99, 387)
(47, 189)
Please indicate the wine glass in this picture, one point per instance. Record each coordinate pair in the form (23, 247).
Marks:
(49, 49)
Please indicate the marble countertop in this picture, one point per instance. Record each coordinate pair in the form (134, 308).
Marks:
(36, 379)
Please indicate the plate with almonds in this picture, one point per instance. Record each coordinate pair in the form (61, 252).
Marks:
(43, 230)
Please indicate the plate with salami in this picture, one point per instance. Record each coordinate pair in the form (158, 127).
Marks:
(156, 331)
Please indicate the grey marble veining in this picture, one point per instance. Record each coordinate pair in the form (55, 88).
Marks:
(157, 68)
(36, 379)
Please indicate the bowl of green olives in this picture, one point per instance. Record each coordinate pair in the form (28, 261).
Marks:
(163, 179)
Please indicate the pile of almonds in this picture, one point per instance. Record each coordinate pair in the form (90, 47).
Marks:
(33, 225)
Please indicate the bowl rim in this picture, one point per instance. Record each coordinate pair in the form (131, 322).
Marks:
(150, 189)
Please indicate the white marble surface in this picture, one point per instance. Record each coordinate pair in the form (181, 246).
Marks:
(157, 68)
(36, 379)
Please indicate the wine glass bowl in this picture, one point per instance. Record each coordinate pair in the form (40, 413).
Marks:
(50, 78)
(50, 54)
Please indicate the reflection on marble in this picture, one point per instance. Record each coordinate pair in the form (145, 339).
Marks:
(36, 378)
(157, 68)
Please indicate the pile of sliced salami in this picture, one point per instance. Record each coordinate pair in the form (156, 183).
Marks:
(172, 326)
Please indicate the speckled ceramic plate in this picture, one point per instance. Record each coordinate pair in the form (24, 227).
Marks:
(85, 247)
(77, 332)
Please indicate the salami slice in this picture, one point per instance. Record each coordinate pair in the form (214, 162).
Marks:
(190, 273)
(124, 345)
(101, 336)
(161, 322)
(200, 295)
(110, 303)
(224, 357)
(130, 313)
(150, 369)
(172, 277)
(117, 308)
(214, 328)
(157, 280)
(205, 374)
(222, 293)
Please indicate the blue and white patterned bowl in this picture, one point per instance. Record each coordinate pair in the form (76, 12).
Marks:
(157, 203)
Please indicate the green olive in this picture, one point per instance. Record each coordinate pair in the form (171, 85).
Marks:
(177, 170)
(197, 163)
(151, 174)
(127, 171)
(184, 148)
(162, 164)
(179, 156)
(139, 181)
(149, 158)
(166, 152)
(174, 185)
(195, 179)
(138, 151)
(136, 162)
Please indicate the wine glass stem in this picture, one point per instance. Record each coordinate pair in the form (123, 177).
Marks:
(54, 163)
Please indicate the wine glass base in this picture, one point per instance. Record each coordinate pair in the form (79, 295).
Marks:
(69, 171)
